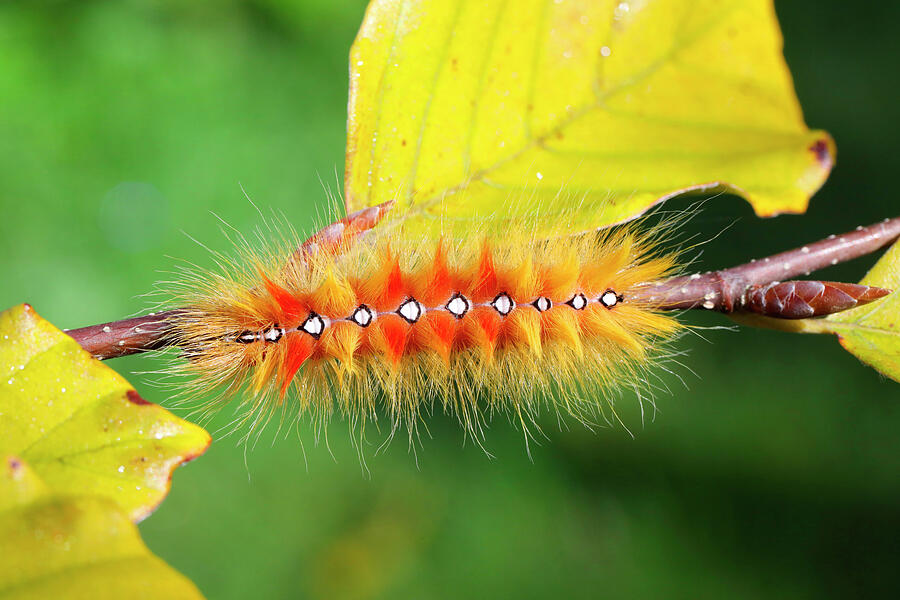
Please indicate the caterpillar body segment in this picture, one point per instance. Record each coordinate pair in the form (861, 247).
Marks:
(403, 325)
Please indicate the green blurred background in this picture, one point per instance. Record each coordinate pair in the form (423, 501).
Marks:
(773, 472)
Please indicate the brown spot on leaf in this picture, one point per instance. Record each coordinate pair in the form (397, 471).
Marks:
(822, 153)
(14, 463)
(135, 398)
(402, 142)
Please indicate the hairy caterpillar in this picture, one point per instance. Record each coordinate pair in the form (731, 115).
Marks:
(475, 327)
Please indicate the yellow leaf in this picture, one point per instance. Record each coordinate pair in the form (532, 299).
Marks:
(79, 424)
(74, 547)
(486, 110)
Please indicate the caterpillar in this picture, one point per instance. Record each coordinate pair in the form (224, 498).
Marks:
(400, 325)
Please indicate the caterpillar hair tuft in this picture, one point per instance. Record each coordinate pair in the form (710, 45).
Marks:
(395, 324)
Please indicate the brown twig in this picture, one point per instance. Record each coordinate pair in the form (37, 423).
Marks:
(748, 287)
(129, 336)
(728, 290)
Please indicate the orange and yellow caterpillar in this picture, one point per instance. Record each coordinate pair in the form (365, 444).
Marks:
(390, 323)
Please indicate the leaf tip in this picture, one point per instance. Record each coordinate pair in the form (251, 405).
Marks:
(142, 512)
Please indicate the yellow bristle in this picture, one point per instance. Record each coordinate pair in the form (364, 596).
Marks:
(520, 280)
(342, 342)
(525, 328)
(333, 294)
(563, 326)
(266, 366)
(561, 278)
(597, 322)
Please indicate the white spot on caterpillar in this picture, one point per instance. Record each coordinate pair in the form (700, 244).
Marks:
(804, 250)
(362, 316)
(578, 302)
(503, 304)
(708, 305)
(458, 306)
(543, 303)
(410, 310)
(695, 276)
(609, 299)
(834, 261)
(313, 325)
(106, 329)
(786, 266)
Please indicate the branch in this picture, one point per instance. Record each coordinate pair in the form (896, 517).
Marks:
(129, 336)
(734, 289)
(752, 287)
